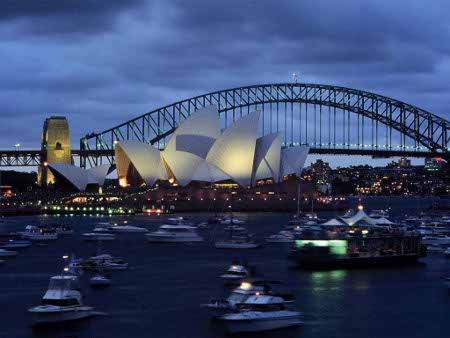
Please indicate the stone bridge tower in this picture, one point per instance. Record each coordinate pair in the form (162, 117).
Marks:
(55, 146)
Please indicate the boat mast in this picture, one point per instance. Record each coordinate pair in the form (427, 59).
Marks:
(298, 199)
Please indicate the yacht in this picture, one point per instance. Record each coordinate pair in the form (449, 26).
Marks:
(35, 233)
(219, 307)
(281, 237)
(62, 302)
(174, 234)
(235, 273)
(98, 236)
(261, 312)
(7, 253)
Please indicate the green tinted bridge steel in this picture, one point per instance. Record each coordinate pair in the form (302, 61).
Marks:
(329, 119)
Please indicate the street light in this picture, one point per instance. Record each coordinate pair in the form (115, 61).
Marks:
(17, 145)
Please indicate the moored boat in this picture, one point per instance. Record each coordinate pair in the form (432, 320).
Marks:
(261, 312)
(62, 302)
(174, 234)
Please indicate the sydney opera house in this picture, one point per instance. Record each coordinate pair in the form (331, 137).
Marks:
(198, 150)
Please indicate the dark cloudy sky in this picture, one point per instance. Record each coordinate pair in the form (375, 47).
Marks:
(103, 62)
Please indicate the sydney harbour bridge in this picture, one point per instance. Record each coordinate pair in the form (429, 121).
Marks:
(329, 119)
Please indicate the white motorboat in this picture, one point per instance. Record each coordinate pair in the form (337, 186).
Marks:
(7, 253)
(16, 244)
(436, 240)
(219, 307)
(35, 233)
(231, 221)
(62, 302)
(98, 236)
(100, 280)
(261, 313)
(174, 234)
(281, 237)
(447, 252)
(235, 273)
(102, 227)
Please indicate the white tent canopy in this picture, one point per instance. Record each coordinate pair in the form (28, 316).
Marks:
(333, 222)
(360, 216)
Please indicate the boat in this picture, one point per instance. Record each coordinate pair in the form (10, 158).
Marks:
(174, 234)
(218, 307)
(261, 312)
(435, 248)
(231, 221)
(179, 221)
(102, 227)
(16, 244)
(100, 280)
(62, 302)
(234, 228)
(104, 262)
(436, 240)
(98, 236)
(35, 233)
(282, 237)
(63, 229)
(236, 273)
(379, 214)
(7, 253)
(358, 251)
(237, 242)
(447, 252)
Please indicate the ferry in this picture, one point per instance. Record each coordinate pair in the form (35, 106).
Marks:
(357, 251)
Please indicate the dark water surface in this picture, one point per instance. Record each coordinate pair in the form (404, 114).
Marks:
(160, 295)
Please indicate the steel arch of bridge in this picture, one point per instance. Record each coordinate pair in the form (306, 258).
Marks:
(330, 119)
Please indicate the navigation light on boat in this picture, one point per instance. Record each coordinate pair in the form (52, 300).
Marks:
(66, 269)
(65, 257)
(360, 207)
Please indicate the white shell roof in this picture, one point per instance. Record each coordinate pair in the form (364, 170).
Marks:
(79, 177)
(293, 159)
(267, 157)
(98, 174)
(75, 175)
(190, 142)
(234, 150)
(144, 157)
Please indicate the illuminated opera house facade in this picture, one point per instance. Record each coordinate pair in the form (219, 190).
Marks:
(199, 150)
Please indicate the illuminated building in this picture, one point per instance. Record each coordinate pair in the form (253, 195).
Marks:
(55, 145)
(199, 151)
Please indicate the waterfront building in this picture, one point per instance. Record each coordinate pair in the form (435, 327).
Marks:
(199, 151)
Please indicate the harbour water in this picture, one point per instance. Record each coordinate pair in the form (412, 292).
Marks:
(160, 295)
